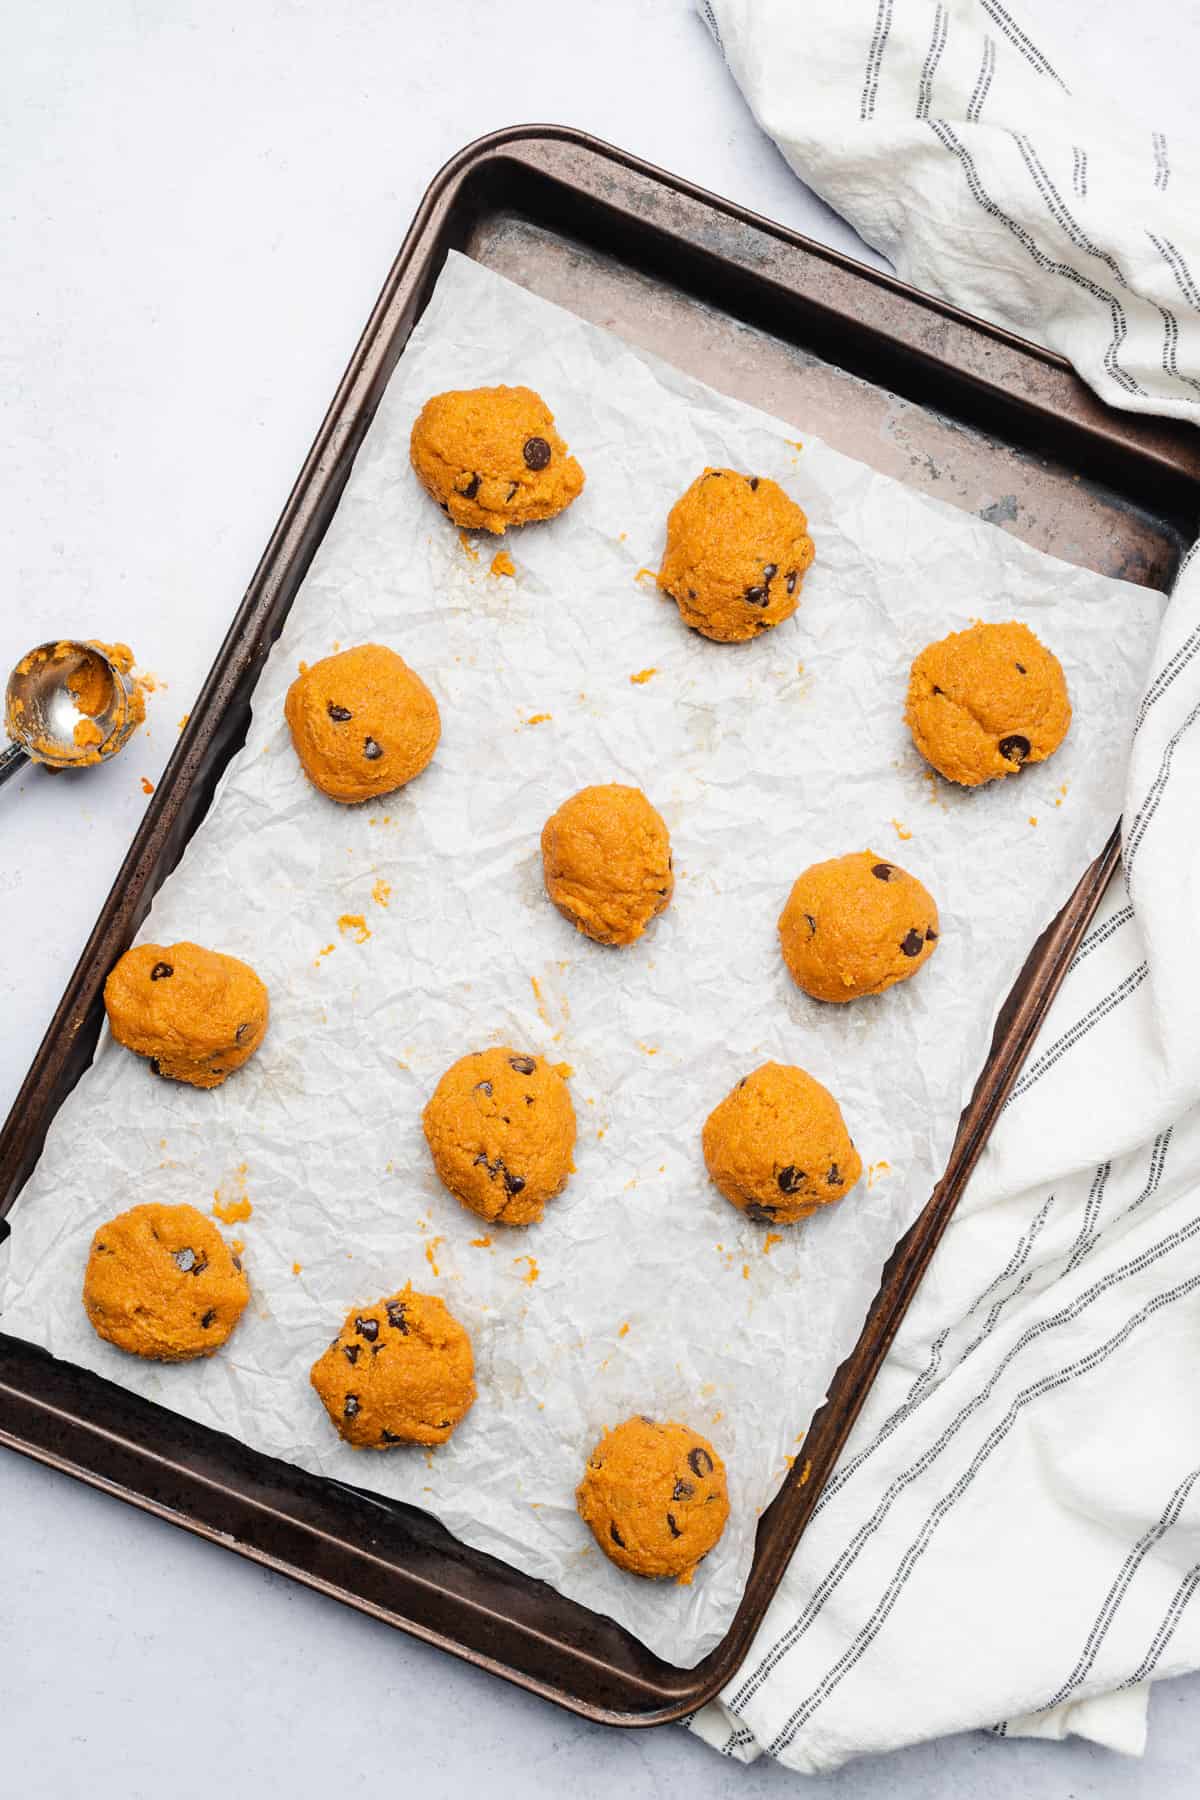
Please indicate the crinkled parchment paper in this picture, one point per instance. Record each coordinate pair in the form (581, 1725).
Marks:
(642, 1290)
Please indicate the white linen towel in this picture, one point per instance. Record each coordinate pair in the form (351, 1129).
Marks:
(1013, 1531)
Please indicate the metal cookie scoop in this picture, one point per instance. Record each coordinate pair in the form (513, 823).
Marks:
(68, 705)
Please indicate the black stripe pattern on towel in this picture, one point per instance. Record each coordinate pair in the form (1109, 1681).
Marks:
(1083, 284)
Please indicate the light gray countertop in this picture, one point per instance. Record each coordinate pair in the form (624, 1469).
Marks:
(200, 203)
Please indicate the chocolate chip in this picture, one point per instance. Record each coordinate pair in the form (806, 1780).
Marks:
(242, 1032)
(390, 1437)
(198, 1268)
(1021, 667)
(185, 1260)
(471, 489)
(931, 936)
(882, 871)
(683, 1490)
(616, 1537)
(339, 714)
(524, 1065)
(375, 1349)
(396, 1310)
(156, 1066)
(484, 1087)
(699, 1461)
(1014, 749)
(368, 1328)
(443, 506)
(237, 1263)
(691, 593)
(742, 1082)
(160, 971)
(529, 1099)
(834, 1177)
(675, 1531)
(812, 925)
(647, 1420)
(443, 1424)
(350, 1351)
(483, 1158)
(760, 1214)
(791, 1179)
(351, 1407)
(371, 750)
(536, 453)
(791, 581)
(770, 571)
(756, 596)
(513, 486)
(937, 690)
(913, 944)
(208, 1318)
(513, 1183)
(102, 1250)
(754, 484)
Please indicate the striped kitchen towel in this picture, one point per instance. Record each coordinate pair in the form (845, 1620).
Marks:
(970, 159)
(1012, 1536)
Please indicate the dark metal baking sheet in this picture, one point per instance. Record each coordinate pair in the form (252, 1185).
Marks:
(912, 387)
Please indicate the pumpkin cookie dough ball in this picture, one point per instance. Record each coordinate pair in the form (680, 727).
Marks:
(856, 925)
(737, 550)
(491, 458)
(501, 1128)
(398, 1372)
(161, 1282)
(606, 858)
(362, 722)
(984, 701)
(778, 1148)
(655, 1498)
(196, 1013)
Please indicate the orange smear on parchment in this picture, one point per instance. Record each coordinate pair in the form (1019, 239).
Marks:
(232, 1212)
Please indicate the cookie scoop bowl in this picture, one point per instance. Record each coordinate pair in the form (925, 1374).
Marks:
(70, 704)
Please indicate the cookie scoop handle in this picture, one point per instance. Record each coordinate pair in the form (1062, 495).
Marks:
(12, 758)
